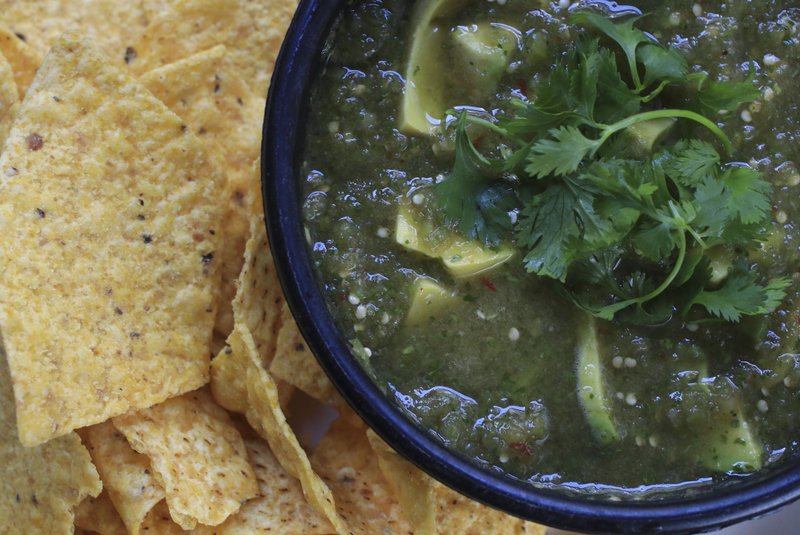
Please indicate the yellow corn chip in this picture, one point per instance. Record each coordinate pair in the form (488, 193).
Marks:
(229, 375)
(364, 499)
(23, 59)
(265, 415)
(99, 516)
(458, 514)
(205, 92)
(40, 487)
(197, 454)
(109, 214)
(159, 522)
(413, 488)
(259, 296)
(9, 99)
(257, 306)
(127, 476)
(295, 364)
(280, 506)
(252, 31)
(434, 508)
(111, 24)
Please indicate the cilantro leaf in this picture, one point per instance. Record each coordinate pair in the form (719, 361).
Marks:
(688, 162)
(627, 36)
(661, 63)
(715, 97)
(545, 225)
(749, 194)
(741, 295)
(561, 154)
(468, 198)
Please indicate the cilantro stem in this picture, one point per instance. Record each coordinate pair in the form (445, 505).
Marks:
(612, 129)
(471, 119)
(609, 311)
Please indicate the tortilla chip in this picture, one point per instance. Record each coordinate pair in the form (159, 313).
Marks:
(259, 296)
(40, 487)
(109, 212)
(280, 506)
(127, 476)
(364, 499)
(252, 31)
(111, 24)
(99, 516)
(413, 488)
(205, 92)
(9, 99)
(229, 375)
(265, 416)
(458, 514)
(159, 522)
(295, 364)
(23, 59)
(197, 455)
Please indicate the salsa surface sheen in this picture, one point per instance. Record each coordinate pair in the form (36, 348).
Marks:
(495, 375)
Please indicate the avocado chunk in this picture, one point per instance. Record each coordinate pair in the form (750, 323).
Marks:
(450, 66)
(424, 96)
(463, 258)
(482, 53)
(725, 441)
(428, 300)
(729, 445)
(644, 137)
(591, 385)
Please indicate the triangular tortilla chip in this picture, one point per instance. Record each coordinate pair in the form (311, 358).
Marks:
(220, 108)
(280, 506)
(257, 306)
(197, 455)
(23, 59)
(111, 24)
(40, 487)
(265, 415)
(9, 99)
(434, 508)
(252, 31)
(413, 488)
(127, 476)
(364, 499)
(99, 516)
(109, 212)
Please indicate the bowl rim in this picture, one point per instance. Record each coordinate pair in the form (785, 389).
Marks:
(297, 64)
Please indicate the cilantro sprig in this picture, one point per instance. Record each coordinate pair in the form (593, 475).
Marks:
(630, 237)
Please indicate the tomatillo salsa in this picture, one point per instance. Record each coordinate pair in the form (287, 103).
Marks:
(564, 238)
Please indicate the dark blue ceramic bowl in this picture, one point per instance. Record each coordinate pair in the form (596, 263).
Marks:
(297, 65)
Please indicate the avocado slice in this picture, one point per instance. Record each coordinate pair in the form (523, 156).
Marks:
(482, 53)
(729, 445)
(463, 258)
(591, 385)
(644, 137)
(726, 442)
(428, 300)
(424, 95)
(447, 65)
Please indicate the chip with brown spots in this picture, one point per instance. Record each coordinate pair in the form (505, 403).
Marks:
(197, 455)
(94, 150)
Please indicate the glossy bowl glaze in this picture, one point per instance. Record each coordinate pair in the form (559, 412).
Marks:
(299, 61)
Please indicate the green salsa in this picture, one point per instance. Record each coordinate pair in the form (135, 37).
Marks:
(511, 354)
